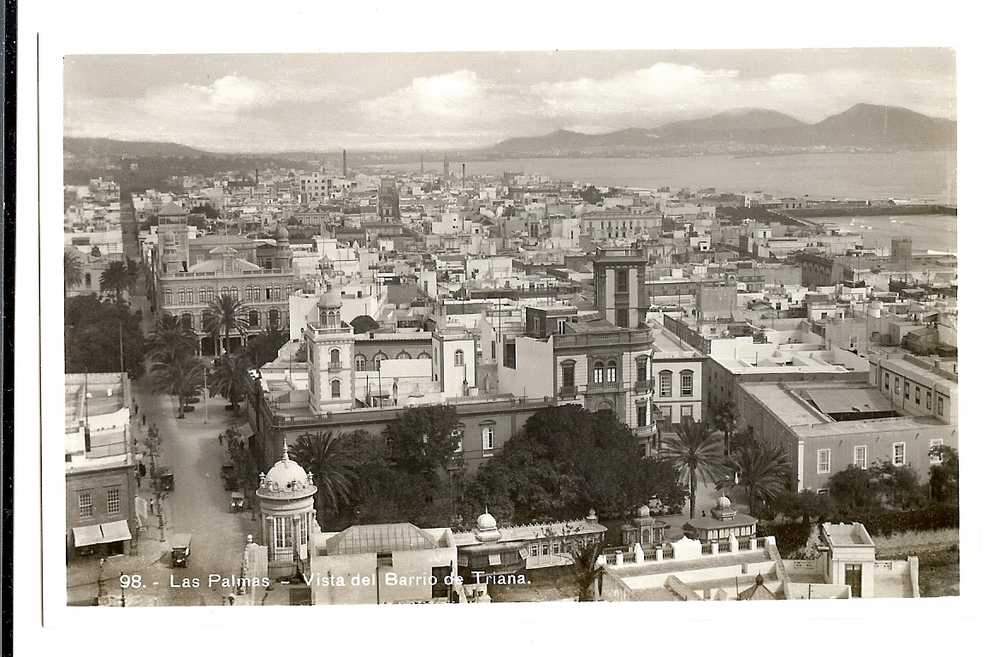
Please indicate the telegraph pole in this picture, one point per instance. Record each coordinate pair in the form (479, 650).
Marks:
(205, 371)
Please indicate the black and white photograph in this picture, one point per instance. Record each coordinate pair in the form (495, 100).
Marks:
(357, 326)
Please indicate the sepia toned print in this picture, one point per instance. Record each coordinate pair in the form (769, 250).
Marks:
(510, 327)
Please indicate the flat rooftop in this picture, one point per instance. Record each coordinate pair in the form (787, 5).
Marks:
(846, 535)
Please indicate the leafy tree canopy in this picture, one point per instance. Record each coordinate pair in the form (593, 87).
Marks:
(92, 336)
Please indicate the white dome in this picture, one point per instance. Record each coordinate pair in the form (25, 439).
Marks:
(485, 522)
(286, 476)
(724, 502)
(643, 511)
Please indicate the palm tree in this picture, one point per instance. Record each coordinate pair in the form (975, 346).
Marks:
(179, 376)
(763, 472)
(226, 378)
(723, 418)
(695, 452)
(171, 339)
(226, 314)
(72, 271)
(586, 571)
(333, 471)
(115, 278)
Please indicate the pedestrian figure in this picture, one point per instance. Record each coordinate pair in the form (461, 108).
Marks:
(142, 469)
(220, 440)
(143, 419)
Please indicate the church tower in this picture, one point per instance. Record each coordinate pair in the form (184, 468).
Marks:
(330, 355)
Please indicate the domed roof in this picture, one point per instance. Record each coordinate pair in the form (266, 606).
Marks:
(643, 511)
(724, 502)
(281, 233)
(485, 522)
(330, 299)
(286, 476)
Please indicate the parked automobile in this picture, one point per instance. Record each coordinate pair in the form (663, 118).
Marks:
(180, 550)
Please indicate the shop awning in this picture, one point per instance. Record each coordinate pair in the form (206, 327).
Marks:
(115, 531)
(84, 536)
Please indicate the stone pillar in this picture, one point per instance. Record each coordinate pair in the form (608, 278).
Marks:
(659, 553)
(714, 548)
(601, 560)
(619, 557)
(733, 543)
(752, 544)
(639, 553)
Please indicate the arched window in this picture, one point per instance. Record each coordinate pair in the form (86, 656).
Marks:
(379, 357)
(203, 295)
(335, 388)
(273, 317)
(360, 362)
(488, 438)
(686, 383)
(254, 318)
(404, 355)
(642, 368)
(568, 373)
(598, 372)
(666, 383)
(611, 371)
(187, 321)
(335, 358)
(423, 354)
(459, 357)
(206, 321)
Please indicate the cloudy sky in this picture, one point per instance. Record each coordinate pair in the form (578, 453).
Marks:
(454, 100)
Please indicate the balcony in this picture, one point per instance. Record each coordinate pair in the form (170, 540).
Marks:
(643, 387)
(335, 366)
(567, 392)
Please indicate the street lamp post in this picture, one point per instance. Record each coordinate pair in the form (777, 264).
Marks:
(100, 584)
(121, 583)
(206, 395)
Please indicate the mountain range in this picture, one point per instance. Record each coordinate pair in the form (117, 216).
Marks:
(863, 126)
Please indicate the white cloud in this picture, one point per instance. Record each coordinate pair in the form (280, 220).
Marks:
(463, 108)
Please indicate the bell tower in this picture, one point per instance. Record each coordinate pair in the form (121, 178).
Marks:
(619, 280)
(330, 354)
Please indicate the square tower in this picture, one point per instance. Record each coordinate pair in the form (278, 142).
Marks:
(619, 281)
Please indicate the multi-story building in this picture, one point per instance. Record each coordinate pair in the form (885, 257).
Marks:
(186, 290)
(100, 467)
(614, 224)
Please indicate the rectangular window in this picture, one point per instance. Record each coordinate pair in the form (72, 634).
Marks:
(642, 413)
(898, 453)
(940, 405)
(621, 280)
(561, 327)
(534, 549)
(666, 384)
(824, 461)
(887, 383)
(929, 400)
(897, 380)
(86, 503)
(686, 410)
(488, 438)
(860, 456)
(822, 491)
(905, 390)
(686, 384)
(544, 549)
(918, 394)
(935, 442)
(114, 501)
